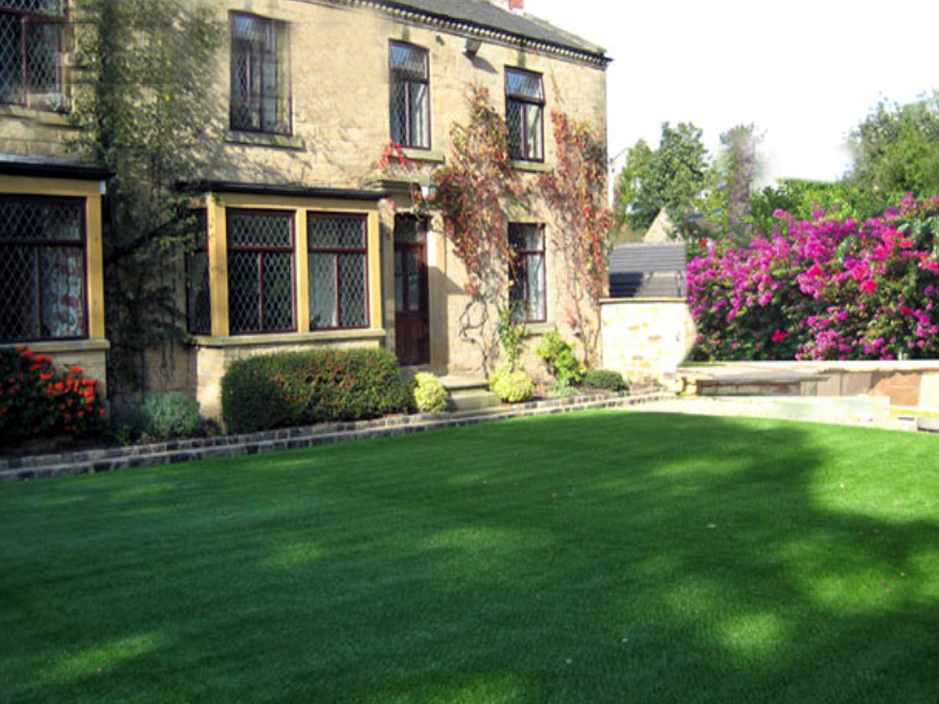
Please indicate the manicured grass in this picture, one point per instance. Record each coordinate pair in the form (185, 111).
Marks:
(596, 557)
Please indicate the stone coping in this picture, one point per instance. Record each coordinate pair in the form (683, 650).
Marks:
(818, 367)
(224, 446)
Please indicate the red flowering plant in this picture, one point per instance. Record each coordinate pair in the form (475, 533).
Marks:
(823, 289)
(576, 190)
(475, 190)
(38, 400)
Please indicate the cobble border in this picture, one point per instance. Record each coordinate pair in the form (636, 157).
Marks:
(173, 452)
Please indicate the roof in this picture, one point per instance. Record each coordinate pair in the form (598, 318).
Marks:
(287, 190)
(647, 270)
(480, 17)
(49, 167)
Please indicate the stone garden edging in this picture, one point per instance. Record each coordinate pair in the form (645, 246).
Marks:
(224, 446)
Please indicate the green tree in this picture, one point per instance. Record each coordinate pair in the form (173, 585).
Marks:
(144, 70)
(628, 206)
(672, 178)
(806, 199)
(896, 149)
(724, 210)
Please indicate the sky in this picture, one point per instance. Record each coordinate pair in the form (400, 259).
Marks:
(805, 72)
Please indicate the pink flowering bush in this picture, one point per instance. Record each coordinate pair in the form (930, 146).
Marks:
(822, 289)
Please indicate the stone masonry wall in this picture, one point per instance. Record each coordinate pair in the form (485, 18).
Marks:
(645, 338)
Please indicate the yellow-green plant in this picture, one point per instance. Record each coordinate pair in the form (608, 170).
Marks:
(512, 386)
(430, 396)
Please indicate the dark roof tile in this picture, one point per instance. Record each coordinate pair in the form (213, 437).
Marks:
(487, 15)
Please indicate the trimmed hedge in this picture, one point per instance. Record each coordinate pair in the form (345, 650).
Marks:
(312, 386)
(605, 379)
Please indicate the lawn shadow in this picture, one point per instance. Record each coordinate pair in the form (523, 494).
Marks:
(601, 557)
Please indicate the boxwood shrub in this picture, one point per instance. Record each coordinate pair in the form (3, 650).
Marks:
(605, 379)
(311, 386)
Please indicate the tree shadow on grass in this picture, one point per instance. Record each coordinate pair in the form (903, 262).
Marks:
(597, 557)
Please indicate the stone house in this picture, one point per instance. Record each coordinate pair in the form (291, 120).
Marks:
(307, 241)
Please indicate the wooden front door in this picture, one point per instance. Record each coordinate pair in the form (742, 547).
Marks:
(412, 324)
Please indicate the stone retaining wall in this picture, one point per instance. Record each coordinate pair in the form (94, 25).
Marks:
(645, 338)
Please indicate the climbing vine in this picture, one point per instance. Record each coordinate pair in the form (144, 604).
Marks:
(479, 187)
(473, 192)
(575, 189)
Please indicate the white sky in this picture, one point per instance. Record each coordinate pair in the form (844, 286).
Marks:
(805, 71)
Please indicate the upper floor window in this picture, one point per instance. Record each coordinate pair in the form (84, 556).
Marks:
(260, 75)
(410, 96)
(527, 271)
(524, 114)
(30, 52)
(260, 271)
(42, 269)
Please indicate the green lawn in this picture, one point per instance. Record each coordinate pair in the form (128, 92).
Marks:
(596, 557)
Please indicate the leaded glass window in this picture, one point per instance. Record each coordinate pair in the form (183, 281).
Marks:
(524, 114)
(338, 271)
(410, 96)
(260, 271)
(42, 269)
(30, 53)
(527, 271)
(260, 75)
(198, 304)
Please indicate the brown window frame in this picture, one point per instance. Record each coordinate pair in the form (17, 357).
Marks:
(334, 252)
(260, 60)
(405, 78)
(8, 243)
(30, 95)
(519, 290)
(261, 251)
(525, 103)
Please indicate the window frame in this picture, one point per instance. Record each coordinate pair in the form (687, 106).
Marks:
(281, 93)
(262, 251)
(334, 251)
(81, 244)
(517, 268)
(400, 76)
(31, 96)
(525, 104)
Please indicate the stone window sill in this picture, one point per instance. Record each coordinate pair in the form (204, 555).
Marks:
(45, 117)
(424, 155)
(259, 139)
(289, 338)
(60, 346)
(536, 167)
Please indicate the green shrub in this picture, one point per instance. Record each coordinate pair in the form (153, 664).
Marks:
(605, 379)
(168, 415)
(511, 386)
(429, 394)
(312, 386)
(560, 359)
(39, 401)
(512, 332)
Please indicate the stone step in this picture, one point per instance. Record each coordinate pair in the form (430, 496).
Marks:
(468, 393)
(472, 400)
